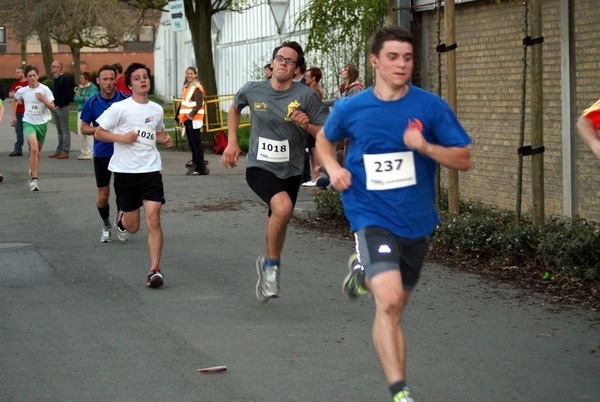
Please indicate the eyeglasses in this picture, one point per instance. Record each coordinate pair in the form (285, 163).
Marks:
(287, 60)
(54, 66)
(344, 69)
(308, 76)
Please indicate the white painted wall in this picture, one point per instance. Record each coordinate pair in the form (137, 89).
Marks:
(240, 49)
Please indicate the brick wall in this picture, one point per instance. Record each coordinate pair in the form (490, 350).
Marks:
(89, 61)
(489, 70)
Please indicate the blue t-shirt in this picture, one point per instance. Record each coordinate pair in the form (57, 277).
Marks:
(376, 128)
(92, 109)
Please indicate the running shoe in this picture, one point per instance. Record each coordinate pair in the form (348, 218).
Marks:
(351, 287)
(122, 234)
(105, 238)
(267, 285)
(34, 185)
(403, 396)
(271, 285)
(155, 278)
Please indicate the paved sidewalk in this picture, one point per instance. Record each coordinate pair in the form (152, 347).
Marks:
(77, 322)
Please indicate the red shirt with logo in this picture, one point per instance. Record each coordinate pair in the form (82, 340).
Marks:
(13, 88)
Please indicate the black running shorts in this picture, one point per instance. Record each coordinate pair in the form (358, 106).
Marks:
(132, 188)
(265, 184)
(380, 250)
(101, 171)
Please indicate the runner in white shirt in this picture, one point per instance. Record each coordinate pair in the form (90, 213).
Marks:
(39, 105)
(135, 125)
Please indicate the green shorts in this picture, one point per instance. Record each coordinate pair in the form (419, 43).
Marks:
(38, 129)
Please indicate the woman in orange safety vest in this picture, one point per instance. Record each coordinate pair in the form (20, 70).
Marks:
(191, 115)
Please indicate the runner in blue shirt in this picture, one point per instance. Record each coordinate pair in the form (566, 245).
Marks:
(103, 151)
(397, 134)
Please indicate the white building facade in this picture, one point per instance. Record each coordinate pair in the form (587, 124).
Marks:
(242, 44)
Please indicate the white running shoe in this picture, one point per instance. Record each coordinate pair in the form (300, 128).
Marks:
(122, 234)
(106, 234)
(34, 185)
(267, 285)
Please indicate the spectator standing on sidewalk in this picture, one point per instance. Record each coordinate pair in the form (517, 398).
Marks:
(121, 87)
(62, 89)
(83, 92)
(18, 124)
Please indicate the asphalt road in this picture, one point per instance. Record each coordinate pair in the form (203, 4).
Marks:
(77, 322)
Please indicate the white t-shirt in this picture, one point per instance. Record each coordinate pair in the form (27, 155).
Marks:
(35, 111)
(144, 118)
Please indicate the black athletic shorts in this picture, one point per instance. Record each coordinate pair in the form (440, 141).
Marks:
(380, 250)
(101, 171)
(132, 188)
(265, 184)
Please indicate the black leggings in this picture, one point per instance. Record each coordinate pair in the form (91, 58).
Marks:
(195, 141)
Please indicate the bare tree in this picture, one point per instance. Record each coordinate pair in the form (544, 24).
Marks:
(198, 14)
(76, 23)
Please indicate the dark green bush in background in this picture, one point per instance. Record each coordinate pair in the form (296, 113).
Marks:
(569, 247)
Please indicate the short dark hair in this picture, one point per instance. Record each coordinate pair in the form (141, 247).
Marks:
(86, 75)
(132, 67)
(31, 67)
(387, 33)
(295, 46)
(109, 67)
(118, 68)
(269, 67)
(316, 73)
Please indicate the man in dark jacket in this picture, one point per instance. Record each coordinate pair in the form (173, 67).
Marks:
(63, 93)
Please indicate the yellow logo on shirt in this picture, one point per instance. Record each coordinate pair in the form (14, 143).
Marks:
(260, 106)
(291, 106)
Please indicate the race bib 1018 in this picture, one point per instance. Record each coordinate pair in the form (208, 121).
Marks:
(272, 150)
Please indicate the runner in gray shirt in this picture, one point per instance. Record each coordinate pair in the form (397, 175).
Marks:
(283, 114)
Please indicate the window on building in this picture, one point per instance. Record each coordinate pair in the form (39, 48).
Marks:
(2, 40)
(141, 41)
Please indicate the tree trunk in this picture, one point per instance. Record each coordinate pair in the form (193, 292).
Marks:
(537, 115)
(76, 53)
(47, 54)
(199, 14)
(23, 50)
(449, 15)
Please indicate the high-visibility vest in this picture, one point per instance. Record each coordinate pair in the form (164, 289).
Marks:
(188, 103)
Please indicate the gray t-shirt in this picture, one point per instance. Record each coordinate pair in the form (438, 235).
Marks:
(276, 142)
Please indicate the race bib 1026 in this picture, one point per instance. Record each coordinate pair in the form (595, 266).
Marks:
(146, 136)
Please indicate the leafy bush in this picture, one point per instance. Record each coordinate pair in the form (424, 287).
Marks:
(244, 138)
(563, 246)
(329, 204)
(49, 83)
